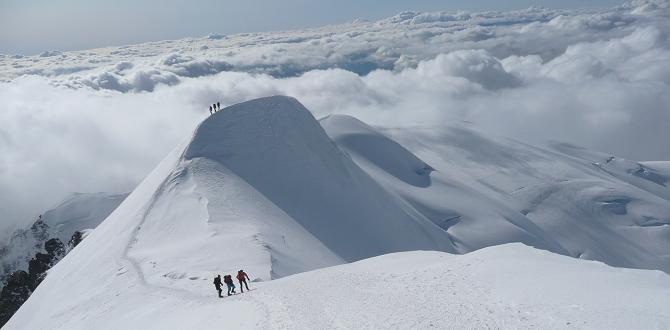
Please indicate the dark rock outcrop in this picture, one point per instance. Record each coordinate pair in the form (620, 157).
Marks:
(14, 294)
(21, 284)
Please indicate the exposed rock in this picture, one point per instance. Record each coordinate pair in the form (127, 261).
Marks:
(77, 237)
(14, 294)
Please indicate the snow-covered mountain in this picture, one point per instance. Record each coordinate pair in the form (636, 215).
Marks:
(81, 211)
(487, 190)
(29, 253)
(597, 78)
(78, 212)
(265, 187)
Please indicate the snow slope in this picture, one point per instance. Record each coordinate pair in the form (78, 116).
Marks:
(509, 286)
(485, 190)
(505, 287)
(261, 186)
(277, 147)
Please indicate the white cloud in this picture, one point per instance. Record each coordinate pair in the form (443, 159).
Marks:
(359, 47)
(473, 65)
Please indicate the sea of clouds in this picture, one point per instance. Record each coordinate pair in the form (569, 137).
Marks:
(101, 119)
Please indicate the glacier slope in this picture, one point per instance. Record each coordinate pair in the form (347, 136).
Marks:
(485, 190)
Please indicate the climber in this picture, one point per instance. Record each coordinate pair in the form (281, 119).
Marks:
(229, 281)
(242, 277)
(218, 284)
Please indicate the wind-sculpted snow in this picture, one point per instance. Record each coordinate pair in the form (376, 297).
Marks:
(574, 202)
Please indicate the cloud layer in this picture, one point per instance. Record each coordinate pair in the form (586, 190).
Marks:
(101, 119)
(360, 47)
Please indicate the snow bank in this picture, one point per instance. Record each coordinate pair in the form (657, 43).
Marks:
(502, 287)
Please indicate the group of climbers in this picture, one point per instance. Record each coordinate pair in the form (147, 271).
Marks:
(214, 107)
(242, 277)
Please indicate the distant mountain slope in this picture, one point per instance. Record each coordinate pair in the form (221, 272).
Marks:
(29, 253)
(261, 186)
(77, 212)
(485, 190)
(80, 211)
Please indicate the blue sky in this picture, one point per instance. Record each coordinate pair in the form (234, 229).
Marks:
(33, 26)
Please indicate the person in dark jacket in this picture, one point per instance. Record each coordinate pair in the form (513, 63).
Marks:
(218, 284)
(210, 110)
(218, 105)
(242, 277)
(229, 281)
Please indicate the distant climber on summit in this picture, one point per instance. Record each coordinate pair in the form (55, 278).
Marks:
(229, 281)
(218, 284)
(218, 105)
(210, 110)
(242, 277)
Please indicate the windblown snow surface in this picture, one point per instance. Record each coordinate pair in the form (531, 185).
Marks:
(265, 187)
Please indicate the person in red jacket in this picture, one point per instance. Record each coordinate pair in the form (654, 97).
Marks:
(242, 277)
